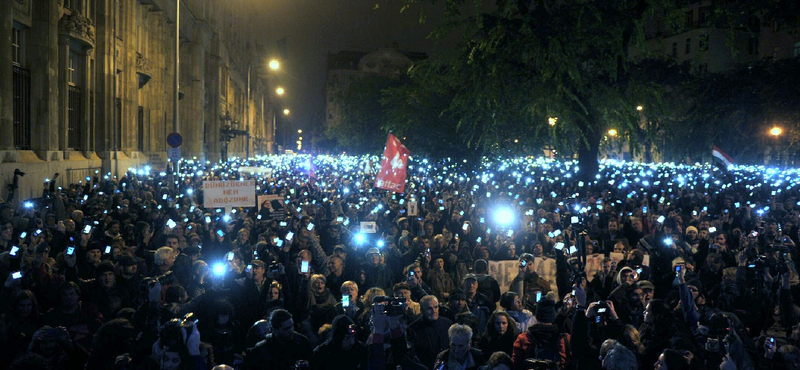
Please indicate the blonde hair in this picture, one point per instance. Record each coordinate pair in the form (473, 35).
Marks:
(370, 294)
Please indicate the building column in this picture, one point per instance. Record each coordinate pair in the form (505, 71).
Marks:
(6, 77)
(63, 86)
(45, 71)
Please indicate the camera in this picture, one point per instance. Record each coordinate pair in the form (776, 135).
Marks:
(165, 279)
(392, 306)
(537, 364)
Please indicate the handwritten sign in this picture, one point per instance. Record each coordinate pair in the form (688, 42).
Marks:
(222, 194)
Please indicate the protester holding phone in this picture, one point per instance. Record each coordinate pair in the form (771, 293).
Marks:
(527, 283)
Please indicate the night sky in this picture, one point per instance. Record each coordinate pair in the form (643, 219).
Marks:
(314, 28)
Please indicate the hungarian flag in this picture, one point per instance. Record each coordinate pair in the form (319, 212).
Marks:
(722, 156)
(392, 175)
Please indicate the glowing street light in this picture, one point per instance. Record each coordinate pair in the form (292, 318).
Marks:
(776, 131)
(280, 91)
(274, 64)
(612, 132)
(286, 112)
(552, 121)
(639, 108)
(299, 131)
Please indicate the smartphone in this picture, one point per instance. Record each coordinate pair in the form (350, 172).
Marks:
(441, 208)
(483, 220)
(258, 217)
(573, 250)
(279, 243)
(345, 301)
(108, 249)
(644, 209)
(559, 246)
(220, 233)
(310, 226)
(304, 267)
(771, 342)
(16, 275)
(601, 310)
(538, 296)
(411, 273)
(678, 269)
(289, 236)
(208, 219)
(282, 224)
(230, 256)
(339, 219)
(465, 227)
(661, 219)
(23, 235)
(573, 293)
(737, 204)
(712, 230)
(171, 224)
(164, 197)
(37, 232)
(574, 219)
(87, 229)
(249, 268)
(510, 233)
(639, 271)
(14, 251)
(70, 251)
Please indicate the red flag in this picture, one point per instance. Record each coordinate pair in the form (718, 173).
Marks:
(722, 156)
(392, 175)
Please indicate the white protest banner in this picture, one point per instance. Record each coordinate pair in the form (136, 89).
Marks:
(224, 194)
(267, 172)
(594, 263)
(505, 271)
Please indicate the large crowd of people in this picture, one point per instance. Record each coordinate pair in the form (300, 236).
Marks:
(329, 272)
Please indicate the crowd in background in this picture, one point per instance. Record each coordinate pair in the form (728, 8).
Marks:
(331, 273)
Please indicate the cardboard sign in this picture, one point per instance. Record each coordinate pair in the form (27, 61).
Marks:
(224, 194)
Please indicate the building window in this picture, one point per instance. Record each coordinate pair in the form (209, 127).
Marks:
(70, 4)
(752, 46)
(796, 49)
(674, 49)
(72, 64)
(688, 48)
(690, 18)
(703, 45)
(16, 46)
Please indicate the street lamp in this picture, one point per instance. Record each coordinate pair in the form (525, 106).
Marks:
(274, 64)
(299, 131)
(552, 121)
(639, 108)
(776, 131)
(280, 91)
(286, 112)
(612, 132)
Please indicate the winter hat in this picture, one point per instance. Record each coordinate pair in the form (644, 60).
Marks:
(103, 268)
(546, 310)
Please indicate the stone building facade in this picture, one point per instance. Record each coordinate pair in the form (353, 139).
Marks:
(88, 85)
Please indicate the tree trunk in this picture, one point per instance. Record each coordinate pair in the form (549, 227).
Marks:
(587, 155)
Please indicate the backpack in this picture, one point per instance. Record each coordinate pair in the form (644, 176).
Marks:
(553, 357)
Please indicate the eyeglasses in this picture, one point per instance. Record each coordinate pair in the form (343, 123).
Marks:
(693, 289)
